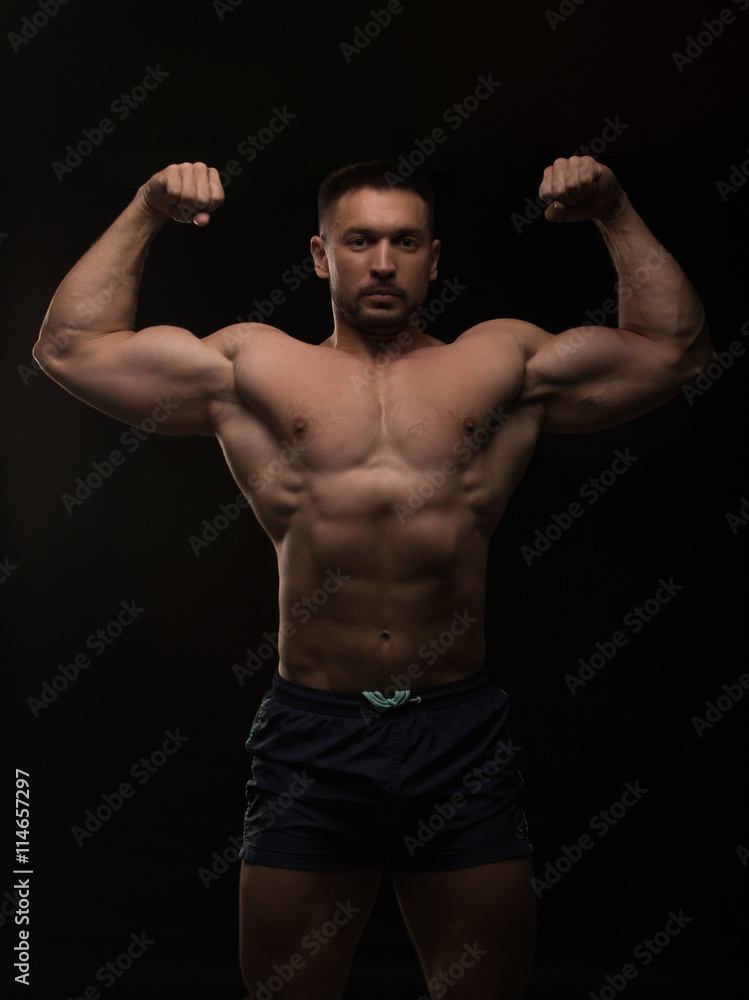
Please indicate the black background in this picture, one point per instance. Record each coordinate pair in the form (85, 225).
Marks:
(225, 72)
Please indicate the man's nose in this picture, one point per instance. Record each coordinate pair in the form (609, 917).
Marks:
(383, 261)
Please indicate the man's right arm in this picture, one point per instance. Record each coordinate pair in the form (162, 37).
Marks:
(87, 343)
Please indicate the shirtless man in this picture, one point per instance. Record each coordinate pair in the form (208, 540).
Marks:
(379, 462)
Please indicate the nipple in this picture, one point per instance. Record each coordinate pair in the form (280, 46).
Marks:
(300, 426)
(469, 425)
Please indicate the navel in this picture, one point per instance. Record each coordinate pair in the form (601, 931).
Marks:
(384, 634)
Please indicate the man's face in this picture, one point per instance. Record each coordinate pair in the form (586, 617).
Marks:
(379, 259)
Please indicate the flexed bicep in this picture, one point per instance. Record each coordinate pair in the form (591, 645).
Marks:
(590, 378)
(87, 342)
(593, 377)
(162, 373)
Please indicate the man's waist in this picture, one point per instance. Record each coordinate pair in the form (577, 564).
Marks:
(396, 698)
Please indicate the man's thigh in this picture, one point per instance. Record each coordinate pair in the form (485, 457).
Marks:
(298, 929)
(474, 928)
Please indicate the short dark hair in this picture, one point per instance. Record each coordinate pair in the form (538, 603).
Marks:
(382, 175)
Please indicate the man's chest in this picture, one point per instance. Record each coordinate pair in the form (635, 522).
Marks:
(346, 409)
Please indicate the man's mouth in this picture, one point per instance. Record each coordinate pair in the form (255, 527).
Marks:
(383, 294)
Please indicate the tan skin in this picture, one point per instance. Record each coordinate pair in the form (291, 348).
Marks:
(336, 447)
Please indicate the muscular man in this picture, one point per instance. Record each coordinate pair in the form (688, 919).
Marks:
(379, 462)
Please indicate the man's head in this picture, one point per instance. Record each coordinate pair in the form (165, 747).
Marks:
(376, 246)
(379, 175)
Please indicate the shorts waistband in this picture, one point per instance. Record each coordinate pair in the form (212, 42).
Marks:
(352, 702)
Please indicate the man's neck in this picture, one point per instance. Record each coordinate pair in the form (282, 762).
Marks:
(394, 344)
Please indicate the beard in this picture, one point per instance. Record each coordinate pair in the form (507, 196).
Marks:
(379, 319)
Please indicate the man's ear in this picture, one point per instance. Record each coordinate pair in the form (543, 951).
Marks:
(436, 247)
(317, 246)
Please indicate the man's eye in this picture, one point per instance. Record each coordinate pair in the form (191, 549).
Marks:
(357, 241)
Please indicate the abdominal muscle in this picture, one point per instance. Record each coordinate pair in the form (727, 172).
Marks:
(372, 602)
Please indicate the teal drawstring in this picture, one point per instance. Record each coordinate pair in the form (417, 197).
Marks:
(380, 701)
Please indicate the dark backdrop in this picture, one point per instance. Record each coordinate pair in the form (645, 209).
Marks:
(162, 862)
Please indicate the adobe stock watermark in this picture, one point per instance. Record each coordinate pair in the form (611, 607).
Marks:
(435, 307)
(740, 519)
(228, 513)
(450, 292)
(736, 179)
(122, 106)
(600, 824)
(388, 353)
(85, 311)
(434, 480)
(310, 945)
(111, 802)
(644, 953)
(255, 143)
(572, 340)
(31, 26)
(564, 11)
(292, 277)
(536, 207)
(441, 983)
(717, 369)
(364, 34)
(635, 620)
(711, 28)
(718, 709)
(109, 973)
(224, 7)
(11, 904)
(98, 642)
(6, 569)
(591, 491)
(473, 781)
(455, 116)
(221, 863)
(302, 609)
(272, 810)
(102, 470)
(258, 481)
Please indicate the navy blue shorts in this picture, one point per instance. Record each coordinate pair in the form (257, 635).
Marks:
(429, 785)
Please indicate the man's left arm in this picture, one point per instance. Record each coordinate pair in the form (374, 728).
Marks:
(592, 377)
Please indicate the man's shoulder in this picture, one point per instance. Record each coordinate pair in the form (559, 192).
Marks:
(233, 340)
(511, 345)
(504, 333)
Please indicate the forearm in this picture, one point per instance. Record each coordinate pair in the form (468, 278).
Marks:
(98, 296)
(656, 298)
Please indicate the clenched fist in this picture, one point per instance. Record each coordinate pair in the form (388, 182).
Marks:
(578, 189)
(186, 192)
